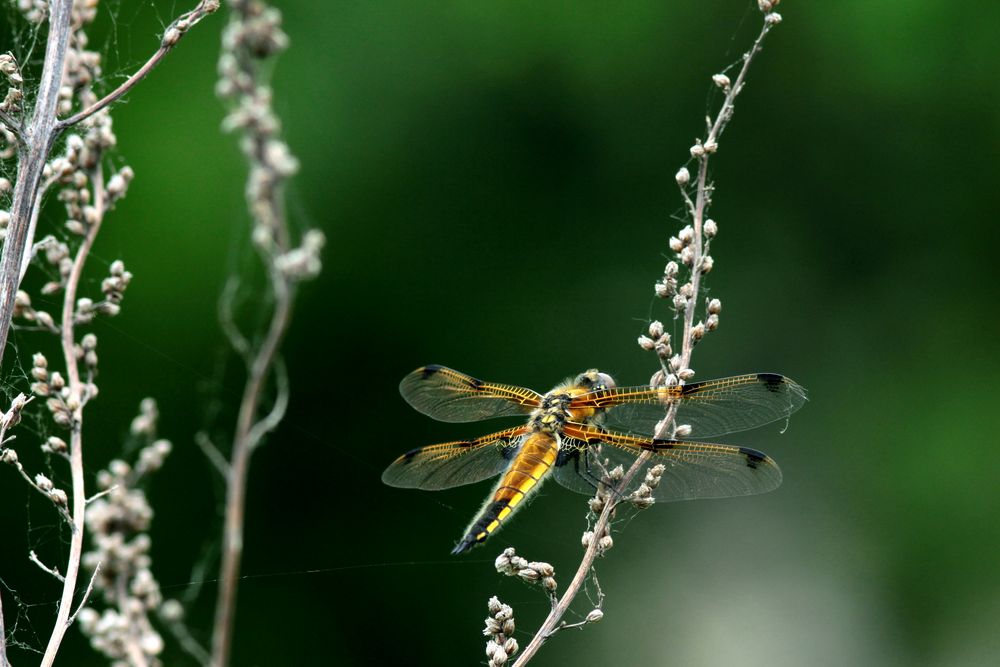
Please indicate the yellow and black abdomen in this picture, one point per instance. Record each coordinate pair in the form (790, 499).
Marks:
(526, 471)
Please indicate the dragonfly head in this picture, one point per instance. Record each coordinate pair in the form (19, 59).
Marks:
(594, 380)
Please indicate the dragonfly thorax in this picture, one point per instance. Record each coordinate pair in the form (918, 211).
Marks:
(553, 412)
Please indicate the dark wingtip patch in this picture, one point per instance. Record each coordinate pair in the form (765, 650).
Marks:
(772, 381)
(430, 369)
(408, 456)
(753, 457)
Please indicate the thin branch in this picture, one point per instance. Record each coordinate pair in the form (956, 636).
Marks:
(33, 484)
(39, 136)
(33, 557)
(212, 453)
(236, 480)
(29, 239)
(228, 321)
(188, 643)
(3, 637)
(269, 169)
(75, 401)
(86, 595)
(697, 209)
(551, 623)
(101, 494)
(277, 413)
(171, 37)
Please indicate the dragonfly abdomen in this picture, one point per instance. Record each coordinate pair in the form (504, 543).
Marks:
(526, 472)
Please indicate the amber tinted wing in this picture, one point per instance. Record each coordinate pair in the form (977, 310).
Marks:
(711, 408)
(691, 469)
(455, 463)
(450, 396)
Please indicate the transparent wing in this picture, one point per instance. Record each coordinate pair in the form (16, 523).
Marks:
(450, 396)
(691, 469)
(573, 470)
(455, 463)
(711, 408)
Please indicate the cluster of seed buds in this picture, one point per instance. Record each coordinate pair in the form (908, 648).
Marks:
(684, 247)
(8, 455)
(52, 386)
(56, 495)
(35, 11)
(657, 341)
(604, 540)
(24, 310)
(253, 35)
(114, 287)
(302, 263)
(501, 646)
(118, 184)
(72, 171)
(671, 365)
(642, 497)
(86, 350)
(118, 521)
(512, 565)
(11, 73)
(767, 6)
(82, 67)
(56, 254)
(144, 424)
(12, 417)
(606, 488)
(112, 633)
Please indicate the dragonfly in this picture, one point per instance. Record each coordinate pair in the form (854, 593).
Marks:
(585, 427)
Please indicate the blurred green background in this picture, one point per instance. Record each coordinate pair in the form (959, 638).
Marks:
(496, 185)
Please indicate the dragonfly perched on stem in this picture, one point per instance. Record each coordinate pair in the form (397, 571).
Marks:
(586, 426)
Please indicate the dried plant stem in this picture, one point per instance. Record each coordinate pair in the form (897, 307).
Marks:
(554, 620)
(171, 37)
(697, 209)
(244, 442)
(75, 401)
(252, 36)
(704, 191)
(37, 138)
(3, 637)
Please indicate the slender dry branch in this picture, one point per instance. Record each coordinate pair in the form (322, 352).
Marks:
(33, 557)
(252, 35)
(552, 622)
(75, 403)
(697, 209)
(39, 136)
(173, 34)
(236, 479)
(3, 637)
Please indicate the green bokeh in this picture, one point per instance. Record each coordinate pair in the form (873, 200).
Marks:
(496, 185)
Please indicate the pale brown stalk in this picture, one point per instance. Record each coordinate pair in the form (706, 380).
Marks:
(244, 441)
(35, 141)
(75, 402)
(3, 637)
(697, 209)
